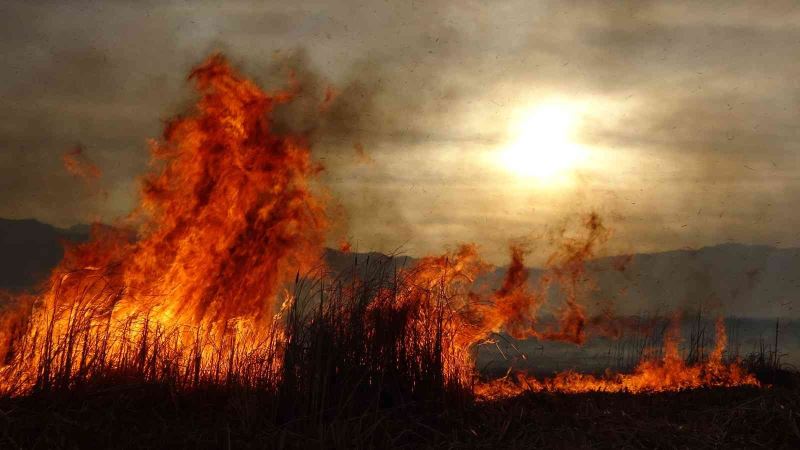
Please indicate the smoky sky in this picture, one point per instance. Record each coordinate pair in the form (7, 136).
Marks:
(696, 105)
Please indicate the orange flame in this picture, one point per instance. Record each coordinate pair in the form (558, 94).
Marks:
(227, 216)
(513, 308)
(79, 166)
(670, 373)
(345, 246)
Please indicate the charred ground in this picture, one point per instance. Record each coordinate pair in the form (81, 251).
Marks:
(151, 416)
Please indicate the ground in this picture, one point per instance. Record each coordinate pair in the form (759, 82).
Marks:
(137, 416)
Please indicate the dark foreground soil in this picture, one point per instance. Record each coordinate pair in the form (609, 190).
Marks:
(152, 417)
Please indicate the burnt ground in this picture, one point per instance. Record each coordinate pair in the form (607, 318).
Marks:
(147, 416)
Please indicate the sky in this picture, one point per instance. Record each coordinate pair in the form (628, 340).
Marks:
(675, 121)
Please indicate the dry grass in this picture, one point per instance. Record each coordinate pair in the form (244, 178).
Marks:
(360, 370)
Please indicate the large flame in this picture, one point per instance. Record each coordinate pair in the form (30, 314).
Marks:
(226, 217)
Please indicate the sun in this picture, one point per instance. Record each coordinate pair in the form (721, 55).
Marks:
(543, 147)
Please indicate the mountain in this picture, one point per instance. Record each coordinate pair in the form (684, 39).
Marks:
(740, 280)
(30, 249)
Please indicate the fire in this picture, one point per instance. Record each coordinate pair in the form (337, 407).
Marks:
(192, 287)
(515, 304)
(345, 246)
(513, 308)
(670, 373)
(79, 166)
(227, 216)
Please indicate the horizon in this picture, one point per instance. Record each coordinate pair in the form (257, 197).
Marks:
(84, 226)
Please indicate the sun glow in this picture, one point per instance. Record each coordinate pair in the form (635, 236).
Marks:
(544, 147)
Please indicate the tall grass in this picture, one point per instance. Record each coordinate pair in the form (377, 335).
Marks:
(368, 338)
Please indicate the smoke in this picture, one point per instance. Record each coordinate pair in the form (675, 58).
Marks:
(701, 116)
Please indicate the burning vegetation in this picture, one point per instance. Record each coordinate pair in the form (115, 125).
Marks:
(216, 280)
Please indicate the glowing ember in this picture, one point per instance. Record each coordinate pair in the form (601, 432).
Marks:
(76, 163)
(345, 246)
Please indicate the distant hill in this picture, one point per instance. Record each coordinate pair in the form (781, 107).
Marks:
(745, 280)
(742, 280)
(30, 249)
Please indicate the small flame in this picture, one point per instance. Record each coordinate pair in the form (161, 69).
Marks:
(670, 373)
(345, 246)
(79, 166)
